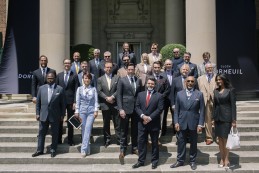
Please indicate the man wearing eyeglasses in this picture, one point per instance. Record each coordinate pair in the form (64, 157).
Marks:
(107, 57)
(193, 67)
(176, 59)
(188, 119)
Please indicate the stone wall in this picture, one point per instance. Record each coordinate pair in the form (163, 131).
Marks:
(3, 18)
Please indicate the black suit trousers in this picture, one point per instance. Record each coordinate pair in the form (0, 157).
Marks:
(70, 133)
(124, 127)
(110, 114)
(182, 140)
(43, 129)
(167, 106)
(142, 145)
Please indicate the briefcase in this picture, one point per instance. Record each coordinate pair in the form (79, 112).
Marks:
(75, 122)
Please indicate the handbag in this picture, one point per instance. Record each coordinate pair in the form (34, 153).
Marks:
(233, 141)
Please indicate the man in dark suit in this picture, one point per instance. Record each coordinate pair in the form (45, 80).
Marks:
(162, 86)
(126, 52)
(178, 83)
(193, 67)
(75, 68)
(188, 119)
(94, 64)
(149, 106)
(107, 57)
(127, 91)
(84, 69)
(107, 91)
(169, 75)
(69, 81)
(50, 109)
(39, 76)
(176, 59)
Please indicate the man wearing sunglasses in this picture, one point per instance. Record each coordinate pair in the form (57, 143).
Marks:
(188, 119)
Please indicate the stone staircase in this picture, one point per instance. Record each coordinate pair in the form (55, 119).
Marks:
(18, 140)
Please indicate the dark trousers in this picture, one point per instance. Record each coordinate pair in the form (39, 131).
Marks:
(142, 145)
(124, 127)
(182, 140)
(167, 106)
(70, 133)
(111, 114)
(43, 129)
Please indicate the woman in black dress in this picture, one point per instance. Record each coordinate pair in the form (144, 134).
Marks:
(224, 115)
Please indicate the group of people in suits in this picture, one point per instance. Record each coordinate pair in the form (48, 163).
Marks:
(139, 95)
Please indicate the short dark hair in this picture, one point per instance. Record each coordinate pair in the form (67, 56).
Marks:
(51, 72)
(158, 63)
(130, 64)
(88, 75)
(151, 78)
(43, 56)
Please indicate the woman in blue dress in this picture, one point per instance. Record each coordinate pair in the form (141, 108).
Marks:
(86, 110)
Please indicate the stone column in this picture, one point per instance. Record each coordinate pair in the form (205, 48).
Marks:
(174, 21)
(83, 22)
(54, 32)
(201, 29)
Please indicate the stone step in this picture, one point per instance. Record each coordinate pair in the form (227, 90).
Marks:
(127, 168)
(99, 148)
(97, 130)
(31, 137)
(99, 122)
(235, 157)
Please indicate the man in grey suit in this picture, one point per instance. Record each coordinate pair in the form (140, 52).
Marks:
(50, 109)
(107, 91)
(188, 119)
(127, 91)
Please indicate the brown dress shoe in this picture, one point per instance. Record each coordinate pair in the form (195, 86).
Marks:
(121, 157)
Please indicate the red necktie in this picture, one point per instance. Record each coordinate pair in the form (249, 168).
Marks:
(148, 98)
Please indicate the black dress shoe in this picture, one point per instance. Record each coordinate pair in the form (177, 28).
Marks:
(137, 165)
(121, 157)
(176, 164)
(59, 142)
(193, 166)
(53, 154)
(71, 143)
(135, 152)
(107, 144)
(154, 166)
(37, 153)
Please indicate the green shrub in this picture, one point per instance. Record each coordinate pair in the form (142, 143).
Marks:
(85, 50)
(167, 50)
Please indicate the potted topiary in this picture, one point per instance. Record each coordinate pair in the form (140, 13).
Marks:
(167, 50)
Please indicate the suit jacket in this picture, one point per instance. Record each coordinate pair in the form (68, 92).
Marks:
(162, 85)
(104, 91)
(115, 68)
(224, 105)
(193, 69)
(53, 110)
(140, 72)
(38, 80)
(207, 88)
(151, 58)
(122, 72)
(189, 113)
(202, 71)
(177, 85)
(132, 59)
(164, 74)
(73, 67)
(93, 81)
(153, 110)
(70, 88)
(95, 70)
(126, 96)
(176, 62)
